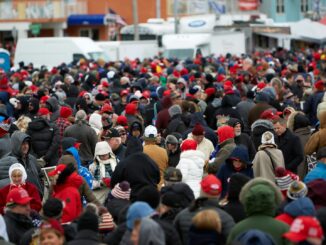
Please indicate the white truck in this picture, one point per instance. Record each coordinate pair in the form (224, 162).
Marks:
(183, 46)
(120, 50)
(53, 51)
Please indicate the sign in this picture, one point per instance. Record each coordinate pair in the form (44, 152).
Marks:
(271, 29)
(248, 5)
(197, 23)
(35, 29)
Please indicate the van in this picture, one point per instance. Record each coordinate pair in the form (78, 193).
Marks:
(53, 51)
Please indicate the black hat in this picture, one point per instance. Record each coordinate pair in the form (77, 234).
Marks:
(172, 199)
(112, 133)
(68, 142)
(150, 195)
(321, 153)
(172, 174)
(88, 221)
(52, 208)
(100, 97)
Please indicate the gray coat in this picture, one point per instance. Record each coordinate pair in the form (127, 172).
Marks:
(30, 163)
(5, 145)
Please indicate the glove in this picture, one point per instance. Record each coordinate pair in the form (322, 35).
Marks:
(106, 181)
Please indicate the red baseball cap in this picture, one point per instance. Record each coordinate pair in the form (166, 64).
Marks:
(18, 196)
(304, 227)
(124, 92)
(122, 120)
(261, 85)
(188, 144)
(59, 168)
(44, 98)
(211, 185)
(106, 108)
(270, 114)
(43, 111)
(52, 224)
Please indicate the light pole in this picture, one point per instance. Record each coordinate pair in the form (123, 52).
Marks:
(135, 17)
(158, 9)
(176, 18)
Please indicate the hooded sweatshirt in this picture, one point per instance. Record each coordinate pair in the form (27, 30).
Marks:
(95, 121)
(54, 108)
(151, 233)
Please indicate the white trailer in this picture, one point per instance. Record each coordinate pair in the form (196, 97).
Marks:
(53, 51)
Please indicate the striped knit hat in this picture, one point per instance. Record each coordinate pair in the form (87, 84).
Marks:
(282, 178)
(106, 223)
(121, 190)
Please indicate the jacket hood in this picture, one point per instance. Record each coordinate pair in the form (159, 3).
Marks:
(102, 148)
(262, 123)
(38, 124)
(151, 233)
(36, 105)
(255, 237)
(75, 154)
(137, 124)
(197, 117)
(195, 155)
(17, 139)
(300, 207)
(166, 102)
(53, 102)
(95, 121)
(74, 180)
(228, 101)
(260, 197)
(297, 120)
(234, 121)
(240, 152)
(134, 145)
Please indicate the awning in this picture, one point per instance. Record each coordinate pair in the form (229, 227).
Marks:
(86, 19)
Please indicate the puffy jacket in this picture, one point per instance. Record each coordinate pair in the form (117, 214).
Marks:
(191, 165)
(183, 220)
(175, 125)
(30, 163)
(45, 140)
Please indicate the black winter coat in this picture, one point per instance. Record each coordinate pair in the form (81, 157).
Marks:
(17, 225)
(171, 235)
(176, 125)
(115, 206)
(174, 157)
(236, 210)
(245, 140)
(45, 140)
(139, 170)
(292, 150)
(85, 237)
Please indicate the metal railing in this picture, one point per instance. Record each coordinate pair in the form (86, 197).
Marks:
(41, 9)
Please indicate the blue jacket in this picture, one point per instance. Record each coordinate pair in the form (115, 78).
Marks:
(82, 171)
(227, 170)
(319, 172)
(302, 206)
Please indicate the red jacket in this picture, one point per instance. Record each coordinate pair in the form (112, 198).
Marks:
(36, 202)
(68, 193)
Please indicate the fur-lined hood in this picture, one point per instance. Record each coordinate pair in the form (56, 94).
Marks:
(297, 120)
(260, 196)
(290, 122)
(264, 123)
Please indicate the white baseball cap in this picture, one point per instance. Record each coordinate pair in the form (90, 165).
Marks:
(150, 132)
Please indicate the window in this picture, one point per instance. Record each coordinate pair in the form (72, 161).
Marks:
(304, 6)
(91, 33)
(280, 6)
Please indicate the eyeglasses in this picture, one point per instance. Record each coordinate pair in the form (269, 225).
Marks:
(122, 133)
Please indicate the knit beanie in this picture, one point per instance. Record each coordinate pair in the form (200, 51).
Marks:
(131, 109)
(188, 144)
(65, 111)
(268, 138)
(198, 130)
(121, 190)
(224, 133)
(283, 179)
(296, 190)
(316, 192)
(171, 139)
(106, 223)
(175, 110)
(52, 208)
(136, 211)
(88, 221)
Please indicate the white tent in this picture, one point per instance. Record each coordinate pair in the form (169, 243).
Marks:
(308, 30)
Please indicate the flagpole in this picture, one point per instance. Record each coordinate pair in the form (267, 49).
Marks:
(135, 17)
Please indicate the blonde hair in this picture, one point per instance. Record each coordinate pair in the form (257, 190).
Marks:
(22, 123)
(207, 220)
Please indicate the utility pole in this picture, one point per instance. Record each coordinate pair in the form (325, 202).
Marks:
(158, 9)
(135, 18)
(176, 18)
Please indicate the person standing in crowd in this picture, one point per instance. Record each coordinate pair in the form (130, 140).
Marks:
(173, 149)
(85, 135)
(191, 165)
(267, 158)
(62, 123)
(290, 146)
(45, 138)
(51, 232)
(156, 153)
(114, 140)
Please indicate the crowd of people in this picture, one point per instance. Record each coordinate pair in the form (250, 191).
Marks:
(211, 150)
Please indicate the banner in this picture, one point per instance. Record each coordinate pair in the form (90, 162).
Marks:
(217, 6)
(248, 5)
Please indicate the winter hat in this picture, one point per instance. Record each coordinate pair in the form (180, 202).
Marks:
(262, 97)
(304, 227)
(106, 108)
(102, 148)
(43, 111)
(210, 91)
(17, 166)
(100, 97)
(80, 115)
(182, 190)
(150, 195)
(188, 144)
(121, 190)
(268, 138)
(198, 130)
(284, 178)
(300, 121)
(296, 190)
(65, 111)
(131, 109)
(137, 211)
(106, 223)
(321, 153)
(319, 85)
(171, 199)
(211, 185)
(255, 237)
(122, 120)
(171, 139)
(52, 208)
(316, 192)
(224, 133)
(237, 181)
(18, 196)
(175, 110)
(88, 221)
